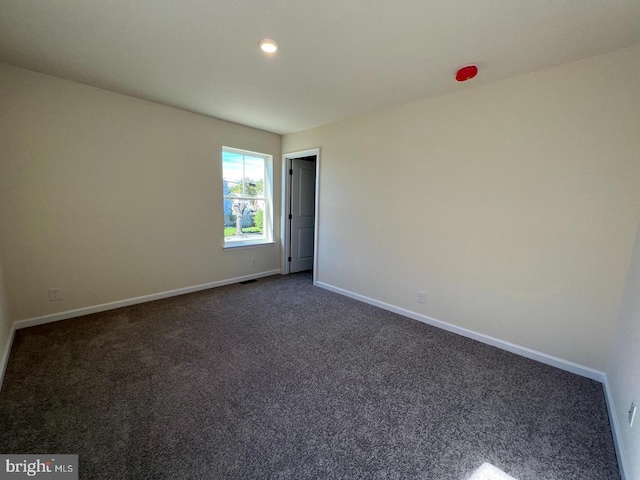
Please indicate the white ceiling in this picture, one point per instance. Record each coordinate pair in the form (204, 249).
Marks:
(337, 58)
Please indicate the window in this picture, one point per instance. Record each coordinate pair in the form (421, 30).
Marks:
(247, 198)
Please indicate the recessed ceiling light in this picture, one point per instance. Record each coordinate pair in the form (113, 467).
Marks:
(268, 46)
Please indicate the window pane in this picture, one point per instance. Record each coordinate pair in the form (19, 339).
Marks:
(232, 173)
(243, 220)
(254, 176)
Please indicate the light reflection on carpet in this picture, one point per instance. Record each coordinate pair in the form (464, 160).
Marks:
(486, 471)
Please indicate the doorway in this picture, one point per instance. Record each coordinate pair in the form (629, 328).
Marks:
(300, 211)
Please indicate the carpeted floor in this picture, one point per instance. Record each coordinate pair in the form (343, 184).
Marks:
(280, 379)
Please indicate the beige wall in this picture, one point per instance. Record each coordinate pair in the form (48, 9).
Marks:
(108, 197)
(622, 373)
(5, 321)
(513, 205)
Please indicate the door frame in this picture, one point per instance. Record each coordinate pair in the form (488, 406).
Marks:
(285, 230)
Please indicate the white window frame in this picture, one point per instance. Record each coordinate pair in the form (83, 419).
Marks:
(267, 237)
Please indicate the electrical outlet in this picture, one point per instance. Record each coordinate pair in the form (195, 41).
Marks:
(254, 262)
(420, 297)
(632, 414)
(54, 294)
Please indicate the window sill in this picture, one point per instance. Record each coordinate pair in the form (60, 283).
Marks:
(248, 244)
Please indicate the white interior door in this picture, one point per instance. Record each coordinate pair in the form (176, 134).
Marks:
(302, 213)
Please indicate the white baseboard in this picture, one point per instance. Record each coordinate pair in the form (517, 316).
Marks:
(4, 357)
(32, 322)
(495, 342)
(615, 429)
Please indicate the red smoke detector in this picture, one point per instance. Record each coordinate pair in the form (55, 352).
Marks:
(466, 73)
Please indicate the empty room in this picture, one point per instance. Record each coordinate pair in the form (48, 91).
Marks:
(338, 239)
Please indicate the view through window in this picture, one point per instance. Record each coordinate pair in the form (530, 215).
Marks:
(246, 189)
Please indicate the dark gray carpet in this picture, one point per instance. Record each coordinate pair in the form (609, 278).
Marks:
(280, 379)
